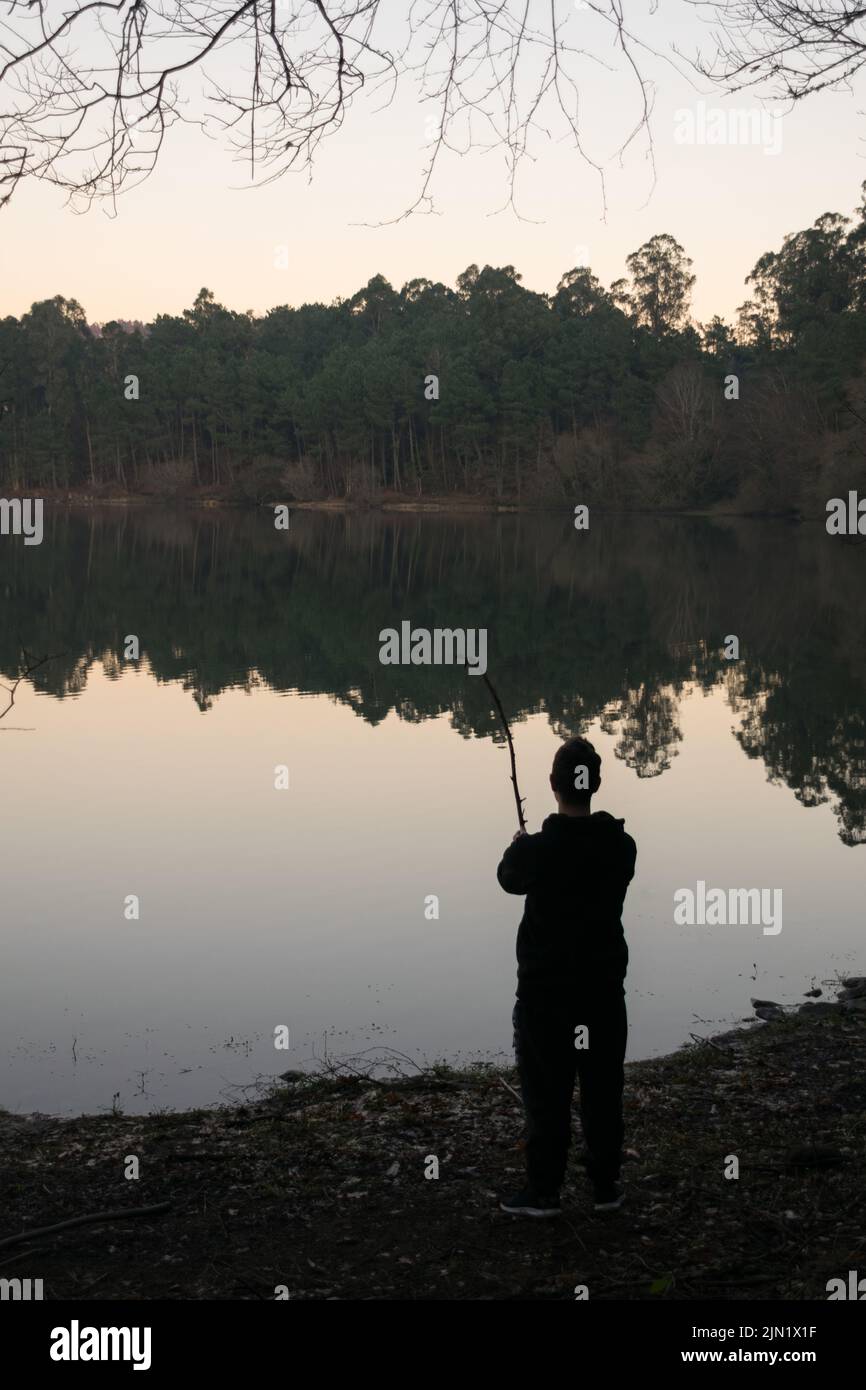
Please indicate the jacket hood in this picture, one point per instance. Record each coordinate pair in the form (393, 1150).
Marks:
(599, 823)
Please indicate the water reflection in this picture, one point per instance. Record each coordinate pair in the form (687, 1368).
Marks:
(610, 624)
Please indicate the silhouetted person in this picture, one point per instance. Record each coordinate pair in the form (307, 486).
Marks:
(571, 964)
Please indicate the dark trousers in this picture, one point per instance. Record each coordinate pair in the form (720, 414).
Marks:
(548, 1061)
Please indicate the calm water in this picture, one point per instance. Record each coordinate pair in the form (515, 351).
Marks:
(306, 907)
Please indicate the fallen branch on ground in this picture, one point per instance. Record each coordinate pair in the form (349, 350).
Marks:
(99, 1216)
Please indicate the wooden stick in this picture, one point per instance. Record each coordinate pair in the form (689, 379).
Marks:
(516, 1094)
(120, 1215)
(517, 797)
(728, 1051)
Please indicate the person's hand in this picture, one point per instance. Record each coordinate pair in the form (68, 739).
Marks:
(518, 834)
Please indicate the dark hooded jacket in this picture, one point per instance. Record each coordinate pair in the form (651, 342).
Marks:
(574, 873)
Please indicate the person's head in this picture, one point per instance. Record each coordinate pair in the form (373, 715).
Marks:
(575, 776)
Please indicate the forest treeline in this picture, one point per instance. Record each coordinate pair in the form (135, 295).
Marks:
(610, 396)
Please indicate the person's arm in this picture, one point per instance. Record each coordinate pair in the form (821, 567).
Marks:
(519, 864)
(632, 859)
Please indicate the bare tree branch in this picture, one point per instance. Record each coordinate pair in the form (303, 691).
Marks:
(89, 90)
(793, 47)
(31, 666)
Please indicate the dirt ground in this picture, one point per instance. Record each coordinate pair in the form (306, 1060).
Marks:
(318, 1190)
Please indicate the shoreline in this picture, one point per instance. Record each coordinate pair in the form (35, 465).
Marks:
(394, 504)
(318, 1186)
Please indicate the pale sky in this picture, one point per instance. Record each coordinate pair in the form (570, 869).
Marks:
(196, 221)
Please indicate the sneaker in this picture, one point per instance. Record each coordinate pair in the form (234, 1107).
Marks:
(530, 1203)
(608, 1196)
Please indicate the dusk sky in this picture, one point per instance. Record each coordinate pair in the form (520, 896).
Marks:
(197, 221)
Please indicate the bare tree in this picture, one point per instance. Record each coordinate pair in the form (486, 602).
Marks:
(797, 47)
(89, 89)
(686, 405)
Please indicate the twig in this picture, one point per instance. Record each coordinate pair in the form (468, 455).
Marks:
(509, 1088)
(517, 797)
(24, 1255)
(92, 1285)
(120, 1215)
(737, 1283)
(708, 1042)
(853, 412)
(28, 670)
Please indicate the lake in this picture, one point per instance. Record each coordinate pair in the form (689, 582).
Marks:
(304, 907)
